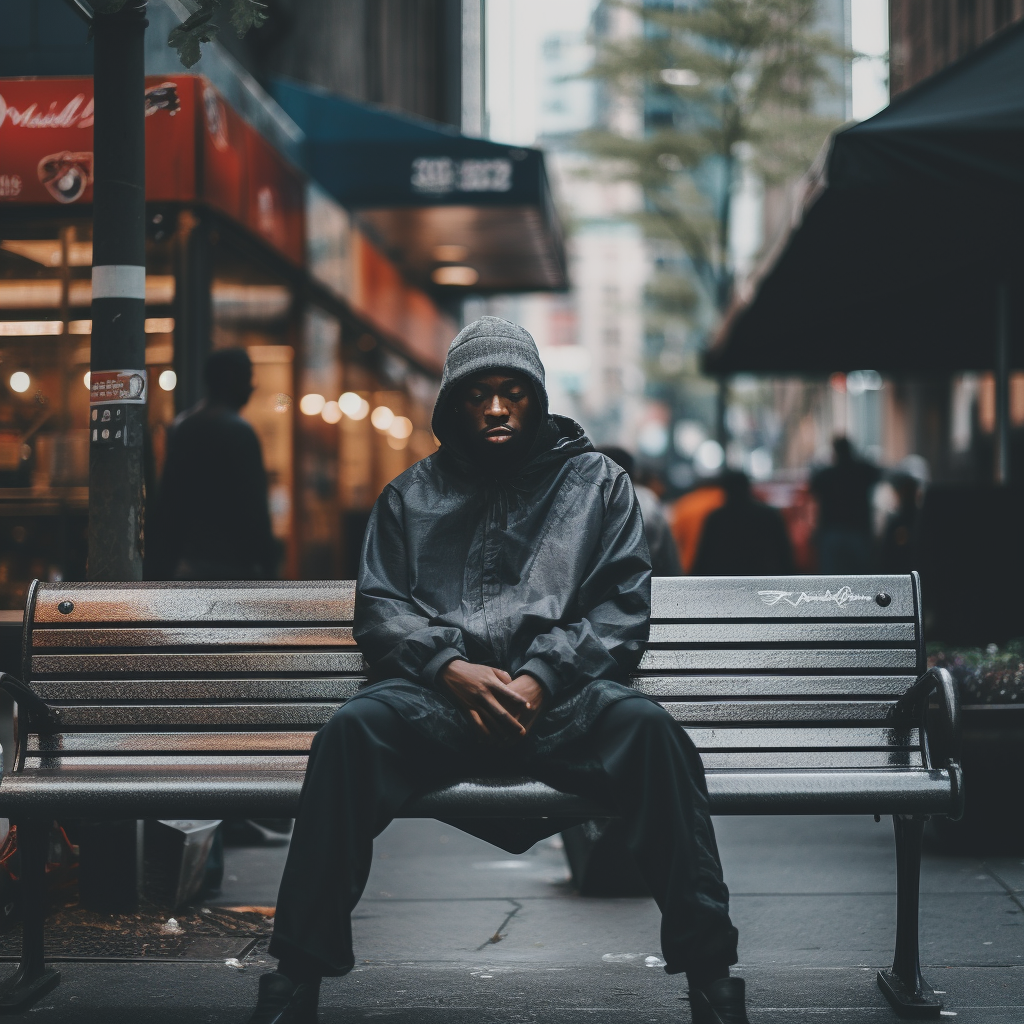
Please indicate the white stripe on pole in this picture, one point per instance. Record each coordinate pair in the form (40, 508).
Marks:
(117, 281)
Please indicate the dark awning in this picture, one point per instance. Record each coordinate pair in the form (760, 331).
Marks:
(418, 185)
(914, 222)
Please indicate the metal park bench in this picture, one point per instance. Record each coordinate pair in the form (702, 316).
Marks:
(805, 695)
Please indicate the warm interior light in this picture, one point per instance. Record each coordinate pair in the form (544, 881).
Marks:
(80, 327)
(167, 380)
(397, 443)
(382, 417)
(312, 405)
(20, 381)
(331, 412)
(159, 324)
(353, 406)
(450, 253)
(29, 328)
(461, 276)
(401, 427)
(86, 380)
(47, 251)
(30, 294)
(249, 301)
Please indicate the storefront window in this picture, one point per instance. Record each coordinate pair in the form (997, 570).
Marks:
(254, 309)
(318, 422)
(45, 335)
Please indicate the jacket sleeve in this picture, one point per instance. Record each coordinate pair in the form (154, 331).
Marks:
(397, 638)
(613, 604)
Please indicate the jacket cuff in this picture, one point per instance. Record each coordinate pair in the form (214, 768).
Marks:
(429, 674)
(544, 674)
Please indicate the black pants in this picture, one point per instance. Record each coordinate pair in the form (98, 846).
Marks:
(367, 761)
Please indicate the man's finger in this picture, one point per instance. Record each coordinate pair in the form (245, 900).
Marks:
(501, 715)
(503, 676)
(504, 693)
(480, 722)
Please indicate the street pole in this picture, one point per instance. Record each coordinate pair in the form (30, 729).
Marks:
(110, 872)
(118, 387)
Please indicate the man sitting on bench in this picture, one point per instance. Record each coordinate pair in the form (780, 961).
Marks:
(504, 596)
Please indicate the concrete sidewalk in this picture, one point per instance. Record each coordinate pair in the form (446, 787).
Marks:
(814, 899)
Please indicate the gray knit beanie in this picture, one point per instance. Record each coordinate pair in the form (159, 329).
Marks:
(489, 343)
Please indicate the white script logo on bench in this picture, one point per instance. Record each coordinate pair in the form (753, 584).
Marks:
(842, 596)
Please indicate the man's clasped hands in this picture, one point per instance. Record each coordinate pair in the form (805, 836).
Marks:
(502, 708)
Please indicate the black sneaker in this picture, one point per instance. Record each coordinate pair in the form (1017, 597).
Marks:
(281, 1001)
(722, 1002)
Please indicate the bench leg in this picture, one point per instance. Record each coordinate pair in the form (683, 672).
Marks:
(33, 979)
(903, 986)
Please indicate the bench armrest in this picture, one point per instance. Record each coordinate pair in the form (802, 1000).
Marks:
(39, 714)
(912, 708)
(913, 705)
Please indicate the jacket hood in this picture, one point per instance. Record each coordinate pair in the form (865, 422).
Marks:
(491, 343)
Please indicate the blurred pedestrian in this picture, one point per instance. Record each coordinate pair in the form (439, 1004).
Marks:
(898, 554)
(213, 518)
(744, 537)
(844, 491)
(687, 516)
(664, 556)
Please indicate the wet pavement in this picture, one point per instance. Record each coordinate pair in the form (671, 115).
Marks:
(451, 929)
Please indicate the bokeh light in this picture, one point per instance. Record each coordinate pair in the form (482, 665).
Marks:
(312, 405)
(382, 417)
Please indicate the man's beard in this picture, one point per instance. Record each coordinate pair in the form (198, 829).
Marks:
(500, 459)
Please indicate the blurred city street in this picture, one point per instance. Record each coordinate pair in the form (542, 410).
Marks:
(813, 898)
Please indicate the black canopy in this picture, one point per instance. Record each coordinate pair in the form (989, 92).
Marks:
(915, 221)
(418, 185)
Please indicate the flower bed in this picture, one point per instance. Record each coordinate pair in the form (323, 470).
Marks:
(990, 675)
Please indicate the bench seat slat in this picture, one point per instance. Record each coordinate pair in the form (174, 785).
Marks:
(199, 636)
(259, 762)
(172, 742)
(274, 602)
(782, 632)
(826, 687)
(153, 791)
(777, 660)
(264, 663)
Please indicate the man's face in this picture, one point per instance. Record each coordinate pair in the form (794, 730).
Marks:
(499, 412)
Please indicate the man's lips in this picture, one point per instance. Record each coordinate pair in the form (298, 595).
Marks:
(497, 435)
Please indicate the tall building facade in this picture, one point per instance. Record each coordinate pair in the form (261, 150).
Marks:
(926, 35)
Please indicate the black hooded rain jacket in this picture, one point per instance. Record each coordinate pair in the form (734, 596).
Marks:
(545, 571)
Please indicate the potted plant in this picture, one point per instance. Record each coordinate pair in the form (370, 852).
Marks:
(991, 685)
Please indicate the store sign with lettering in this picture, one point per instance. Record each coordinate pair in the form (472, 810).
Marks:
(198, 149)
(123, 386)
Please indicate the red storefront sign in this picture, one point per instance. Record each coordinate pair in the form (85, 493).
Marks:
(198, 149)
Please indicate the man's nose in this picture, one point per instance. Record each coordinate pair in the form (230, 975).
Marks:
(497, 407)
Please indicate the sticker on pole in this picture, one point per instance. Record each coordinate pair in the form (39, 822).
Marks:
(108, 424)
(125, 386)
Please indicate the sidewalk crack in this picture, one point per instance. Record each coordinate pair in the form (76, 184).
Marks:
(498, 936)
(1009, 888)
